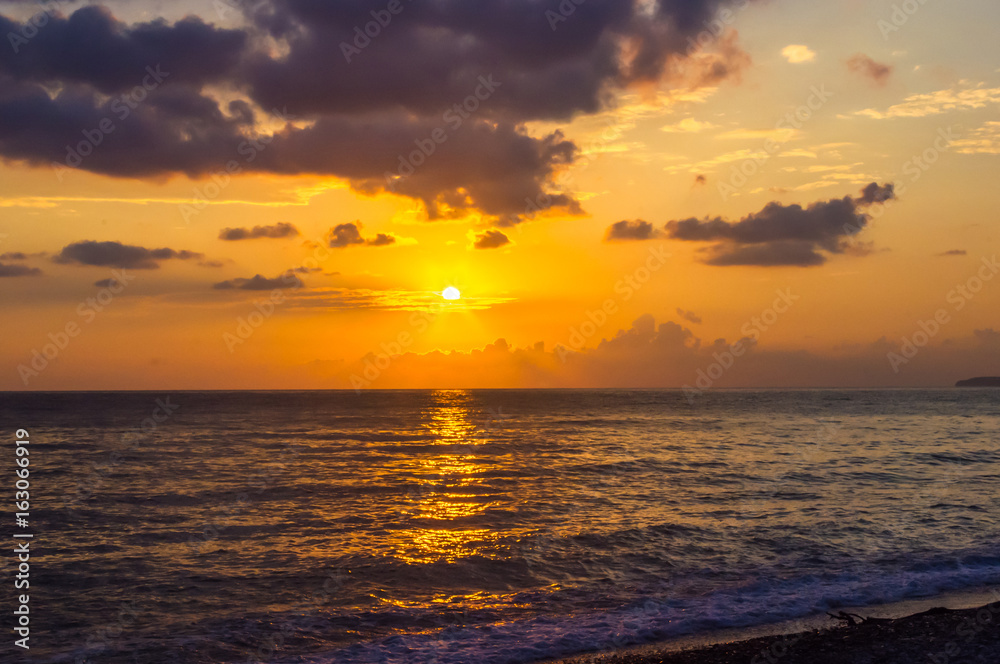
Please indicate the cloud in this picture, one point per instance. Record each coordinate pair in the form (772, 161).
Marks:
(777, 253)
(116, 254)
(261, 283)
(700, 179)
(490, 239)
(372, 153)
(783, 235)
(279, 230)
(346, 235)
(297, 104)
(875, 193)
(688, 126)
(18, 271)
(651, 354)
(19, 255)
(863, 65)
(438, 50)
(91, 47)
(797, 53)
(984, 140)
(380, 240)
(689, 316)
(953, 252)
(779, 134)
(935, 103)
(628, 230)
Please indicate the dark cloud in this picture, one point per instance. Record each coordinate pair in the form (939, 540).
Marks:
(363, 119)
(784, 234)
(953, 252)
(346, 235)
(492, 167)
(795, 253)
(177, 130)
(876, 193)
(700, 179)
(865, 66)
(261, 283)
(626, 230)
(106, 283)
(491, 239)
(174, 130)
(279, 230)
(689, 316)
(20, 255)
(380, 240)
(18, 271)
(432, 54)
(91, 47)
(116, 254)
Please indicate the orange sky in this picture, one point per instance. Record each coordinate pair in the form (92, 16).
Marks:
(914, 107)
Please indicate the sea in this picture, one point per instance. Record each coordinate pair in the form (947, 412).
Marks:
(484, 526)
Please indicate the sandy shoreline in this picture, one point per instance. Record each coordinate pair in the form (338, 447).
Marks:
(936, 635)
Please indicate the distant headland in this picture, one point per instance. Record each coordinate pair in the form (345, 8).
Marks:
(982, 381)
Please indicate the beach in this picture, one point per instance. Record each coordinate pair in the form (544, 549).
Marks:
(939, 636)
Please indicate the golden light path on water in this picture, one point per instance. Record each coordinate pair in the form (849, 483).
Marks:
(451, 485)
(450, 488)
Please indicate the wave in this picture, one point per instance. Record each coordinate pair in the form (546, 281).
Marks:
(661, 617)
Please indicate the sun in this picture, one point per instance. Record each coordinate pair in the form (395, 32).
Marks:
(451, 293)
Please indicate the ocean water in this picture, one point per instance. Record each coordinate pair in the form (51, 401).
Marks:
(487, 526)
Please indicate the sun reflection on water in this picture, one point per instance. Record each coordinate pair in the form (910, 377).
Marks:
(451, 485)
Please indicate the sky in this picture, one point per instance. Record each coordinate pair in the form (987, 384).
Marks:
(276, 194)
